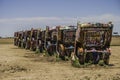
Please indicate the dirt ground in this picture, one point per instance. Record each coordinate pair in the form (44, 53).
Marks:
(21, 64)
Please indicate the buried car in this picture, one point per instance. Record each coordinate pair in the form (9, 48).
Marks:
(65, 40)
(92, 42)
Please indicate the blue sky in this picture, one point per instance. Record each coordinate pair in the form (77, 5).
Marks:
(18, 15)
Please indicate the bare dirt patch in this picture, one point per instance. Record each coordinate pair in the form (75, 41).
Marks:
(21, 64)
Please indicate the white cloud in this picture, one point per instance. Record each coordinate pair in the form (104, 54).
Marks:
(96, 18)
(34, 19)
(102, 18)
(14, 24)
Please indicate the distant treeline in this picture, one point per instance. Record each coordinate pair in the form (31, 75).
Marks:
(116, 35)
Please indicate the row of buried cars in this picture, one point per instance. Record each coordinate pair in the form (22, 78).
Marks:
(87, 42)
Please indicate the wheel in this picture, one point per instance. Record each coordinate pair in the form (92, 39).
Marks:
(34, 45)
(106, 58)
(28, 45)
(40, 46)
(31, 46)
(61, 50)
(50, 51)
(24, 44)
(80, 55)
(88, 57)
(96, 57)
(19, 44)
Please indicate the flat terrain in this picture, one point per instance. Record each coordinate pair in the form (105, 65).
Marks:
(6, 40)
(115, 41)
(21, 64)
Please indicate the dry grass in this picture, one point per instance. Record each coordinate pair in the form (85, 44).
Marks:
(21, 64)
(115, 41)
(6, 41)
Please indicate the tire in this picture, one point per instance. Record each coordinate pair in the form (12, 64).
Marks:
(28, 45)
(41, 48)
(96, 58)
(19, 44)
(61, 50)
(88, 57)
(106, 58)
(50, 51)
(24, 44)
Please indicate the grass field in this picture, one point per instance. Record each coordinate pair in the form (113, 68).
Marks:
(6, 41)
(21, 64)
(115, 41)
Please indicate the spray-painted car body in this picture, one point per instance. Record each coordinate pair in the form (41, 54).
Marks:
(65, 40)
(16, 38)
(33, 39)
(93, 42)
(27, 38)
(50, 40)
